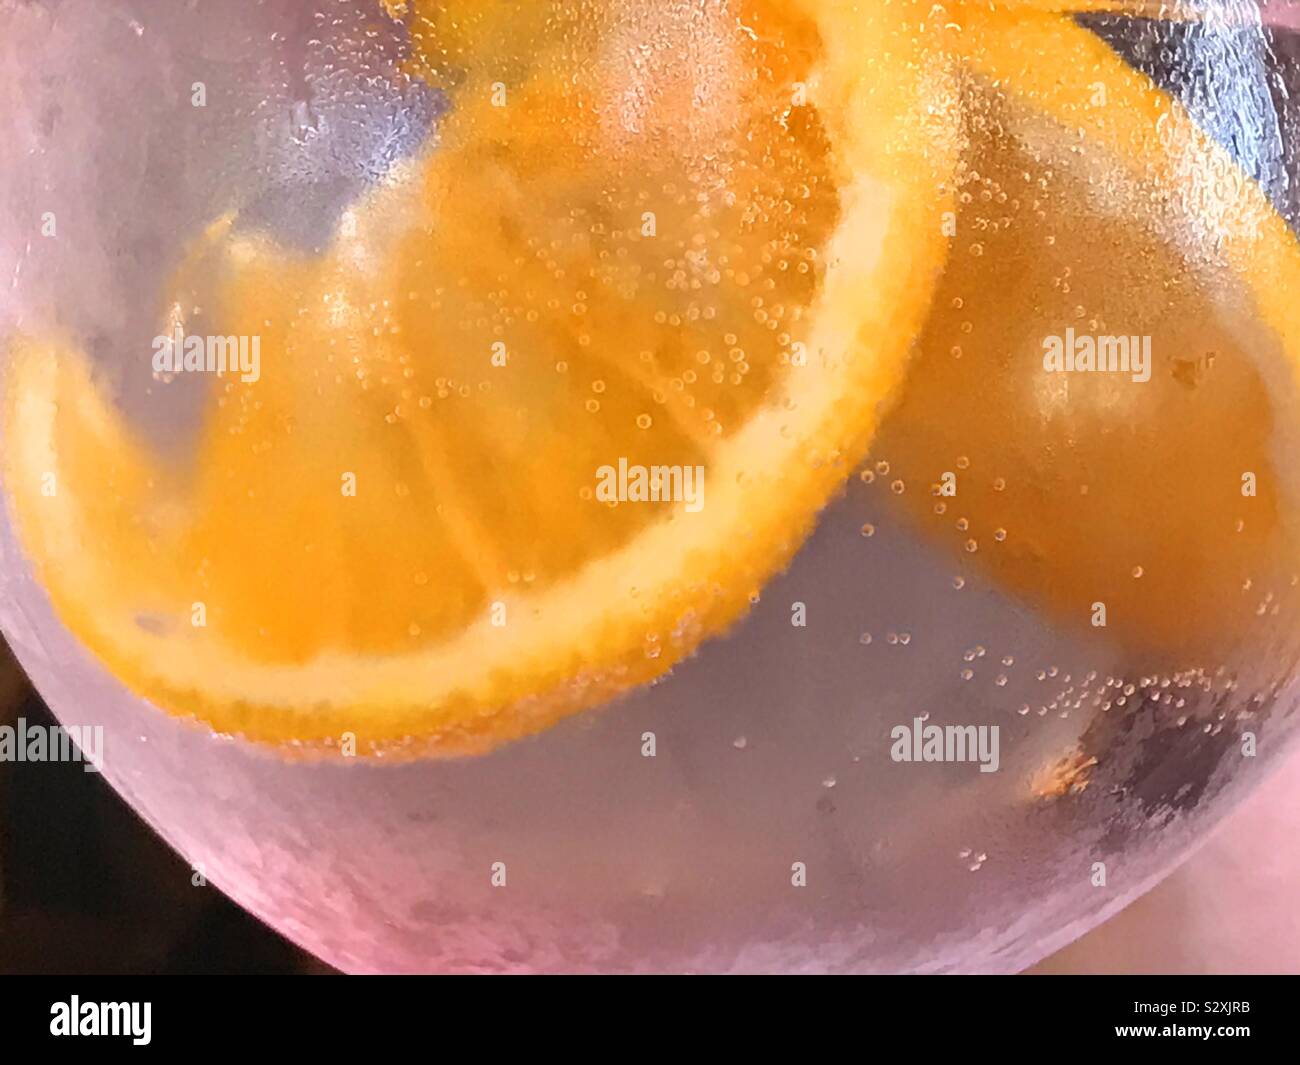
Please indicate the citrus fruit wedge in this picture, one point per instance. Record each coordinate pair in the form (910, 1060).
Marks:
(688, 244)
(1155, 505)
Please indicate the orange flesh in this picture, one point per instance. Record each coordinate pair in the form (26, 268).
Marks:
(644, 272)
(581, 269)
(524, 229)
(1082, 488)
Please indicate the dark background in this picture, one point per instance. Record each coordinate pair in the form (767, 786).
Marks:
(87, 887)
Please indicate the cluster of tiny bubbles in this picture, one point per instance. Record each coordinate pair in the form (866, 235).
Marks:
(975, 860)
(1163, 691)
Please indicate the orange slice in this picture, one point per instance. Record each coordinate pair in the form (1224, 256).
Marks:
(689, 240)
(1092, 202)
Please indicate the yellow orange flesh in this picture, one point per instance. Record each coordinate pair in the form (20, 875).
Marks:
(728, 279)
(1110, 213)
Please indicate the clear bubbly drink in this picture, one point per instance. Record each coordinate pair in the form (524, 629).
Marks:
(995, 650)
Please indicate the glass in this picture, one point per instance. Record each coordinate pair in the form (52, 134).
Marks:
(745, 812)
